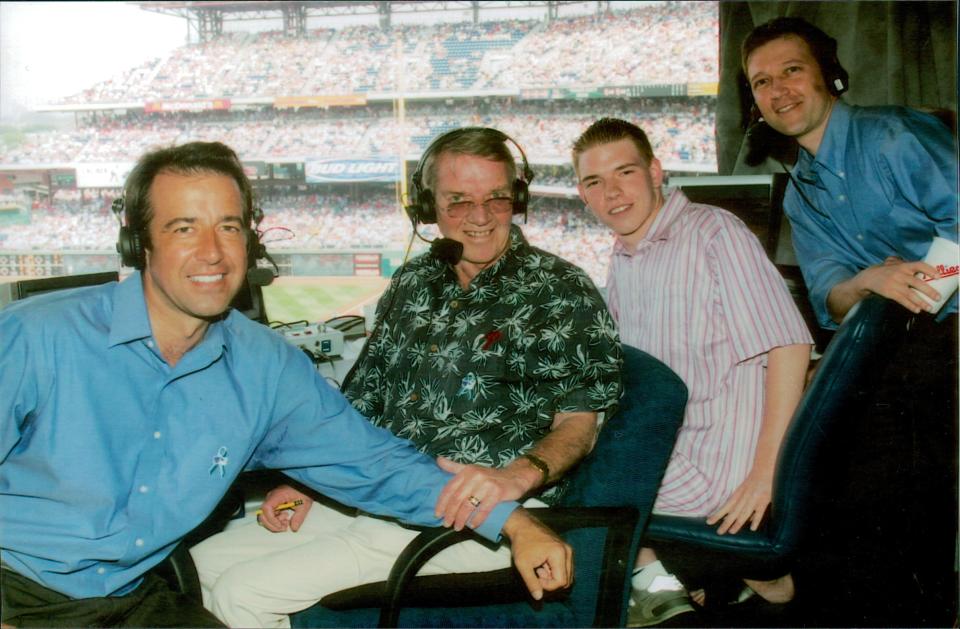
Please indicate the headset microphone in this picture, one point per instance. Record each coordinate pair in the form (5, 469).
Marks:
(446, 250)
(259, 276)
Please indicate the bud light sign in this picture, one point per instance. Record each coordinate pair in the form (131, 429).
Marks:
(332, 170)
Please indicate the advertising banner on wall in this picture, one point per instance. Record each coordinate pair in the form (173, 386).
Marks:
(329, 100)
(347, 170)
(187, 105)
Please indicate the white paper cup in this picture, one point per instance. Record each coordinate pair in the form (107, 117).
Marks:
(944, 256)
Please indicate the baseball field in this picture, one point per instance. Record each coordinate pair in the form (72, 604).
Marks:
(312, 299)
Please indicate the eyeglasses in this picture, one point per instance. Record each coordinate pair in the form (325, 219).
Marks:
(496, 205)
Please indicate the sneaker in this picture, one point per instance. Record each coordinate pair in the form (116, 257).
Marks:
(665, 598)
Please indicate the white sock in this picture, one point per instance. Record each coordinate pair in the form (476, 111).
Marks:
(643, 576)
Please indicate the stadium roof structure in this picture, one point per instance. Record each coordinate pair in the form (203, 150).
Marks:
(207, 17)
(260, 10)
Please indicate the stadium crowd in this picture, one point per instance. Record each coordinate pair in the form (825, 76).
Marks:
(643, 45)
(682, 129)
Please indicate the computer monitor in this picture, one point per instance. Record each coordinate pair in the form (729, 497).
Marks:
(22, 289)
(249, 300)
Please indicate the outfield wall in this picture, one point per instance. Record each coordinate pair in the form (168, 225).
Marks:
(330, 263)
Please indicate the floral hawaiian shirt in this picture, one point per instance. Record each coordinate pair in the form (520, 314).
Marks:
(478, 374)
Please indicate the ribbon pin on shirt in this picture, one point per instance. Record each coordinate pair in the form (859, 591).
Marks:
(220, 460)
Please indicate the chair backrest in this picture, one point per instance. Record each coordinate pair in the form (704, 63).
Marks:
(633, 440)
(850, 364)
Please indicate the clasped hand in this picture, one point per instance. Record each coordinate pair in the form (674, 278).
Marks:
(473, 492)
(543, 560)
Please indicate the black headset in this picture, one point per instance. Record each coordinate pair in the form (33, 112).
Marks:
(423, 205)
(132, 252)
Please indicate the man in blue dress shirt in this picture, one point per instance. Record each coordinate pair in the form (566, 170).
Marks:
(872, 186)
(871, 189)
(130, 408)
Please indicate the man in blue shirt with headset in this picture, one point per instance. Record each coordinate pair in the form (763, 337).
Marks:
(130, 408)
(871, 189)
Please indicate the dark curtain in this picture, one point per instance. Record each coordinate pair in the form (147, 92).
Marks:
(897, 53)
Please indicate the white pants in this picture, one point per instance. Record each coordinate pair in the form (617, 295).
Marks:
(252, 577)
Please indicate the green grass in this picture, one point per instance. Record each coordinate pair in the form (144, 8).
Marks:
(311, 302)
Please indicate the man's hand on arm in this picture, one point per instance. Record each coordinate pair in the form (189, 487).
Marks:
(894, 279)
(475, 490)
(276, 520)
(544, 561)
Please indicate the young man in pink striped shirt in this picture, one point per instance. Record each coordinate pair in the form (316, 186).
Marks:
(691, 285)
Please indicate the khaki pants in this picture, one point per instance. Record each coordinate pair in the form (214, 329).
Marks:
(252, 577)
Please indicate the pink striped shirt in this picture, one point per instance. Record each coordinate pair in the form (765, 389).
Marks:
(700, 294)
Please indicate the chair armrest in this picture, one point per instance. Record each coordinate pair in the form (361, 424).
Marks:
(180, 573)
(697, 532)
(619, 521)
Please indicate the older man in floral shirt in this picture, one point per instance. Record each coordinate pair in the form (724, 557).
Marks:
(480, 375)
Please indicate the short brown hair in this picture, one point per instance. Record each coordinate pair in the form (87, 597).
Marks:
(607, 130)
(476, 141)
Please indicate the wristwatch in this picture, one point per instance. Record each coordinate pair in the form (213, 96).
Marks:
(541, 465)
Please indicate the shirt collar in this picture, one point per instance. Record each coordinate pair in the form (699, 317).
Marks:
(675, 201)
(130, 321)
(830, 152)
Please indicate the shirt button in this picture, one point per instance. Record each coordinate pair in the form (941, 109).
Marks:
(139, 542)
(454, 304)
(414, 397)
(842, 197)
(144, 489)
(859, 236)
(101, 570)
(842, 174)
(156, 434)
(149, 343)
(434, 349)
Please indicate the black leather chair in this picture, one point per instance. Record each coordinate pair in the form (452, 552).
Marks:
(808, 455)
(602, 516)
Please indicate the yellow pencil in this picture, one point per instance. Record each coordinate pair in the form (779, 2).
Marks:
(283, 506)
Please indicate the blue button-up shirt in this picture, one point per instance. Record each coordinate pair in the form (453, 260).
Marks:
(883, 183)
(109, 456)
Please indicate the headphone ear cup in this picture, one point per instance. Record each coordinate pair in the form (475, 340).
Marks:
(839, 82)
(836, 77)
(255, 249)
(426, 207)
(130, 248)
(521, 196)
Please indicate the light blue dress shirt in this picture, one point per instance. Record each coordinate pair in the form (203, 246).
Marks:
(108, 456)
(883, 183)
